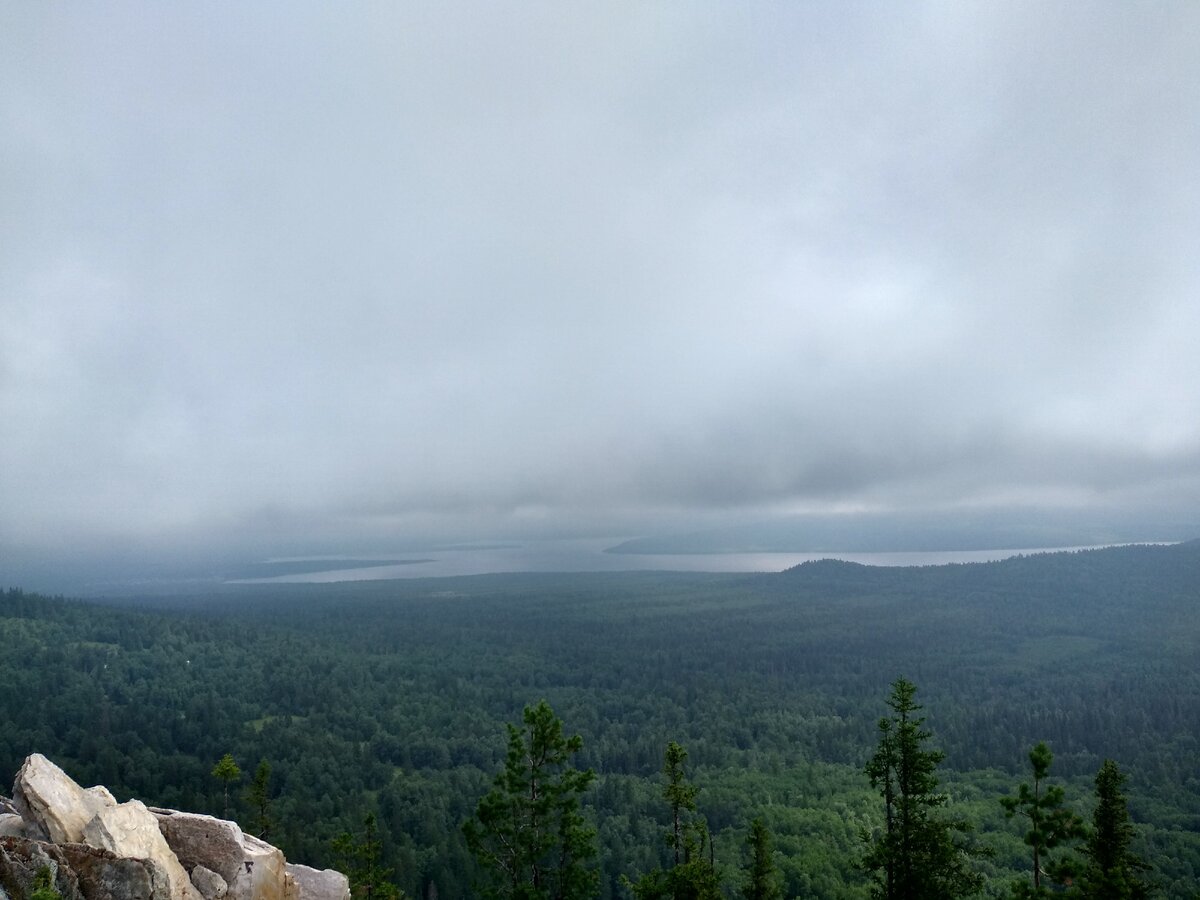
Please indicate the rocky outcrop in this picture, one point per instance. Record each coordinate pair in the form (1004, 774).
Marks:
(93, 848)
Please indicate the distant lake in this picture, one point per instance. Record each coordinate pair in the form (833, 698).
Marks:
(589, 556)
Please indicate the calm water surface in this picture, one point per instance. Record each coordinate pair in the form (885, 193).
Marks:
(589, 556)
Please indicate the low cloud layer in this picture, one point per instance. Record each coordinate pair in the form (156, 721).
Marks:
(300, 276)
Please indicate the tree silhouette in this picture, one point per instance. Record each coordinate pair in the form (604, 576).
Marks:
(919, 854)
(362, 858)
(693, 874)
(260, 799)
(1111, 870)
(1051, 824)
(528, 831)
(762, 880)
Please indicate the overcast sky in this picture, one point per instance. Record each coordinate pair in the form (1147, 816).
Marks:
(384, 271)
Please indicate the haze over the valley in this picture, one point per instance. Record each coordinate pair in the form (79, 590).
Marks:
(285, 279)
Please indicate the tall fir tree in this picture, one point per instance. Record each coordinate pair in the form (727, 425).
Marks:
(693, 874)
(363, 860)
(1111, 870)
(921, 852)
(762, 878)
(259, 795)
(528, 831)
(1051, 826)
(680, 795)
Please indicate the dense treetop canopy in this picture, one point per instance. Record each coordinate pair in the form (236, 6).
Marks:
(392, 698)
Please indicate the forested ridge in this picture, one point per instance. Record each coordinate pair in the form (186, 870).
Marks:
(392, 698)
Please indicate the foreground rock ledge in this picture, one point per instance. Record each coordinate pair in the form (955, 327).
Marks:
(98, 849)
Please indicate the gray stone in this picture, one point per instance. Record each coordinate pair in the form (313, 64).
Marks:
(210, 885)
(22, 858)
(79, 872)
(12, 825)
(319, 884)
(102, 875)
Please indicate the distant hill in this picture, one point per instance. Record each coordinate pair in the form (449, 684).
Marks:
(1057, 583)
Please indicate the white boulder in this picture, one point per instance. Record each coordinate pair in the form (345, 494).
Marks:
(52, 804)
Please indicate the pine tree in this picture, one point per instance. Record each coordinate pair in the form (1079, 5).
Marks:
(920, 853)
(528, 830)
(679, 794)
(260, 799)
(1111, 870)
(362, 860)
(227, 772)
(762, 879)
(693, 874)
(1051, 824)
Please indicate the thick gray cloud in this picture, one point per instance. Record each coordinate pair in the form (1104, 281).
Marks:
(380, 271)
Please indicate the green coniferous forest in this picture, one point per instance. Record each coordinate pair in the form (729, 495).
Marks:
(392, 700)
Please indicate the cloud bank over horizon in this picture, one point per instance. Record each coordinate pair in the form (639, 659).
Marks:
(285, 276)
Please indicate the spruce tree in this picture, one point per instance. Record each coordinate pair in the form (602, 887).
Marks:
(920, 853)
(1051, 825)
(260, 799)
(762, 879)
(693, 874)
(528, 831)
(679, 794)
(363, 860)
(1111, 871)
